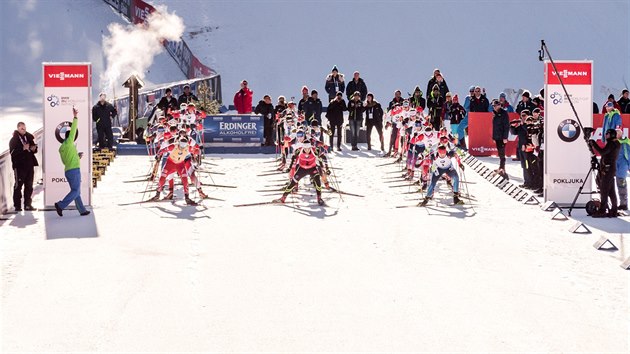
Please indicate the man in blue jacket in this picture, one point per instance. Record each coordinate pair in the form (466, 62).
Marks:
(623, 165)
(612, 119)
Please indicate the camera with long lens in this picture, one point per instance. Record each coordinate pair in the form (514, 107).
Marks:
(588, 132)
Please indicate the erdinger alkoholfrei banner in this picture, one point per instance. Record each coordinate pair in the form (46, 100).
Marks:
(66, 85)
(567, 158)
(242, 129)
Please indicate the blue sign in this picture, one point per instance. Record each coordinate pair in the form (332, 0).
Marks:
(233, 129)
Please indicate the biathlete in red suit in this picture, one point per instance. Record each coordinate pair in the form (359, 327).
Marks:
(306, 164)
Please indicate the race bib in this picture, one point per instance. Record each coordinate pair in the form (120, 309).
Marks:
(370, 115)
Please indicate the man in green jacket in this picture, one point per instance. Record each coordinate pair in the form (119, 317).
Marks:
(71, 160)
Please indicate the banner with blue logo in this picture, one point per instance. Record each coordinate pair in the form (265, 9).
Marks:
(241, 128)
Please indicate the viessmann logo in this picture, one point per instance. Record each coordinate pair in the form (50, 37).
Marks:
(568, 73)
(62, 76)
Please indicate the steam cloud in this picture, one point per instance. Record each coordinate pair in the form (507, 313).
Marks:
(130, 49)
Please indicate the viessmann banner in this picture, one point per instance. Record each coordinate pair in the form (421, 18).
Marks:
(233, 129)
(66, 85)
(567, 158)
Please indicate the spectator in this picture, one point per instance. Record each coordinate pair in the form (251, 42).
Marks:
(611, 98)
(313, 108)
(355, 118)
(500, 132)
(334, 114)
(373, 119)
(22, 148)
(417, 101)
(437, 79)
(103, 113)
(612, 119)
(303, 99)
(623, 166)
(168, 102)
(595, 108)
(334, 83)
(243, 99)
(624, 102)
(525, 103)
(396, 101)
(520, 130)
(478, 101)
(265, 108)
(435, 104)
(446, 111)
(357, 84)
(607, 173)
(72, 167)
(279, 111)
(187, 97)
(457, 113)
(504, 103)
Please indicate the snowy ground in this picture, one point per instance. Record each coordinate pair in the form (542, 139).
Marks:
(358, 275)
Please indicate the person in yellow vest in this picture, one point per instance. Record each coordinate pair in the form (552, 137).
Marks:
(71, 161)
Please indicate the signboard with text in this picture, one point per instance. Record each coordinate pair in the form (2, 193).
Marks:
(242, 129)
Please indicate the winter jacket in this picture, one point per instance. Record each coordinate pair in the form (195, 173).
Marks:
(334, 84)
(435, 105)
(313, 109)
(623, 161)
(186, 99)
(375, 111)
(480, 104)
(265, 109)
(355, 108)
(335, 110)
(446, 110)
(457, 113)
(356, 86)
(609, 155)
(521, 106)
(103, 114)
(624, 105)
(394, 102)
(67, 150)
(243, 101)
(165, 104)
(521, 132)
(442, 85)
(21, 158)
(508, 107)
(301, 103)
(279, 109)
(612, 120)
(417, 102)
(500, 125)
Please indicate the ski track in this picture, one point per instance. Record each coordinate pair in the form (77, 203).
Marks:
(356, 275)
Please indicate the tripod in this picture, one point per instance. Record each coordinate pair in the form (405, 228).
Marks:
(593, 169)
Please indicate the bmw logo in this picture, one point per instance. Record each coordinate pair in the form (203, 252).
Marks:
(60, 132)
(568, 130)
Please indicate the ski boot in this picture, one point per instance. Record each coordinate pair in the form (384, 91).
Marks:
(281, 167)
(425, 201)
(425, 185)
(320, 201)
(156, 197)
(202, 195)
(279, 200)
(189, 201)
(456, 199)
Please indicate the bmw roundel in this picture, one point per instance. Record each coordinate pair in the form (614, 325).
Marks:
(568, 130)
(60, 131)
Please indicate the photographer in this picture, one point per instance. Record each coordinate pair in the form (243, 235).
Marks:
(530, 155)
(520, 130)
(23, 149)
(607, 172)
(500, 132)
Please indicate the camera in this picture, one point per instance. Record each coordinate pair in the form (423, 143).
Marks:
(588, 132)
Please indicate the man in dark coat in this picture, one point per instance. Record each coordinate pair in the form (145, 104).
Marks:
(436, 104)
(168, 102)
(313, 108)
(500, 131)
(396, 101)
(22, 148)
(437, 79)
(478, 101)
(417, 101)
(525, 103)
(624, 102)
(357, 84)
(187, 96)
(334, 114)
(103, 113)
(265, 108)
(355, 118)
(607, 172)
(373, 119)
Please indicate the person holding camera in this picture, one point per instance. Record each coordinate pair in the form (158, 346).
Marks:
(500, 132)
(23, 149)
(334, 113)
(607, 173)
(355, 118)
(71, 161)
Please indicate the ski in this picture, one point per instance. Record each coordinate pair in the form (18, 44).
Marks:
(146, 201)
(216, 185)
(139, 180)
(345, 193)
(255, 204)
(211, 173)
(271, 174)
(387, 164)
(403, 185)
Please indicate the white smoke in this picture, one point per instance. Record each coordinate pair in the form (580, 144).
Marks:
(130, 49)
